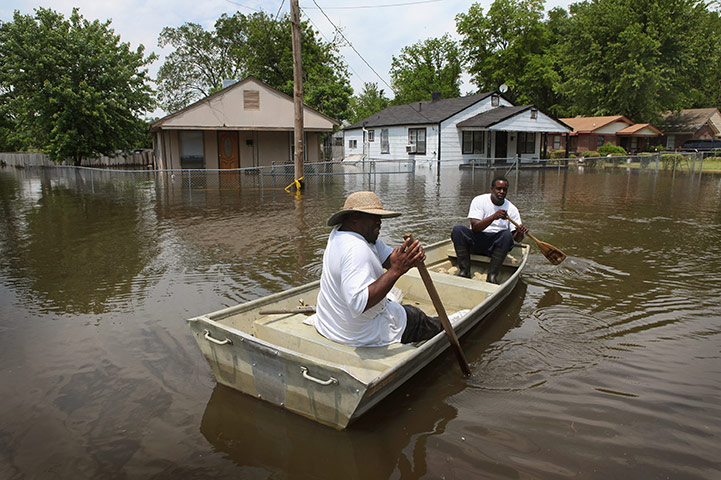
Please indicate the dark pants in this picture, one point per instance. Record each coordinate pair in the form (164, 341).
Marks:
(419, 326)
(481, 243)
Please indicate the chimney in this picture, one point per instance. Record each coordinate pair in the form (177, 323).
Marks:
(435, 96)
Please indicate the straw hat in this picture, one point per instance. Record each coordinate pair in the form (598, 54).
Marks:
(365, 202)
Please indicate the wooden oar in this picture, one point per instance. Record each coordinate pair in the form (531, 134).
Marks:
(306, 309)
(554, 255)
(436, 299)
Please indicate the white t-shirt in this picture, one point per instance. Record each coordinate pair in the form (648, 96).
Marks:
(483, 207)
(350, 264)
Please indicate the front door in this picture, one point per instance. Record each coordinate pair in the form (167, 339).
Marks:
(228, 150)
(501, 144)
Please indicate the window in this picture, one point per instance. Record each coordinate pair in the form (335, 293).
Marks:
(385, 146)
(417, 138)
(473, 142)
(338, 141)
(371, 135)
(599, 140)
(251, 99)
(352, 143)
(191, 150)
(495, 100)
(526, 142)
(534, 113)
(556, 142)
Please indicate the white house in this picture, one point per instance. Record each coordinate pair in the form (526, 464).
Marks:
(482, 127)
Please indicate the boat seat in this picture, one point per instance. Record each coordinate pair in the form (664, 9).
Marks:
(509, 260)
(288, 331)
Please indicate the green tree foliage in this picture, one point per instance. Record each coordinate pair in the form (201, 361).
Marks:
(639, 58)
(371, 100)
(432, 65)
(513, 45)
(69, 86)
(258, 45)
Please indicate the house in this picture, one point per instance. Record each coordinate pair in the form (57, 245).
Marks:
(590, 133)
(691, 124)
(247, 124)
(482, 127)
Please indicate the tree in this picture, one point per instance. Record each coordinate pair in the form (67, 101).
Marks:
(433, 65)
(638, 58)
(371, 100)
(69, 86)
(511, 45)
(259, 45)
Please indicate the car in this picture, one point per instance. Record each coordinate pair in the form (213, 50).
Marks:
(703, 144)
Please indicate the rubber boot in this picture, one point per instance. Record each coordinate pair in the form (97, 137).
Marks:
(463, 257)
(497, 257)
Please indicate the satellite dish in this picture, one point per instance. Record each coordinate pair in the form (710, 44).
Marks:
(503, 88)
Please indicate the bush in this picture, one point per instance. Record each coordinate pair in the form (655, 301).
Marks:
(558, 154)
(608, 148)
(591, 153)
(669, 160)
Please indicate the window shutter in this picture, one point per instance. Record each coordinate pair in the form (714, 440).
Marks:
(251, 99)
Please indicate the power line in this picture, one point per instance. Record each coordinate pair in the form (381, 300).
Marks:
(244, 6)
(340, 32)
(279, 9)
(329, 41)
(357, 7)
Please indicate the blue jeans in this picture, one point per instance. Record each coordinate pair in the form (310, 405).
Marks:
(481, 243)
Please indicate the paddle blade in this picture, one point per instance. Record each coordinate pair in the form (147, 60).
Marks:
(554, 255)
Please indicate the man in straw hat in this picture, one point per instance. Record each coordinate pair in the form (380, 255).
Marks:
(353, 307)
(491, 233)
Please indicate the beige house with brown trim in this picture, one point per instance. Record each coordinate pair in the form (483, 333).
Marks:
(248, 124)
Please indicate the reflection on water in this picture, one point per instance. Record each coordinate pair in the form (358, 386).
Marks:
(605, 366)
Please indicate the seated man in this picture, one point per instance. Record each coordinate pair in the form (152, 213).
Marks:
(491, 233)
(352, 306)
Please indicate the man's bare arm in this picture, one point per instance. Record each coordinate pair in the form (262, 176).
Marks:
(401, 260)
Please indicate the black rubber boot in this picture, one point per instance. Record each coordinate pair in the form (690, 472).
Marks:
(497, 257)
(464, 261)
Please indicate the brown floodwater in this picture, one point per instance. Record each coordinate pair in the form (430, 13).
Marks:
(606, 366)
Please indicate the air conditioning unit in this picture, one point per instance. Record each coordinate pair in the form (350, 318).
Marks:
(410, 149)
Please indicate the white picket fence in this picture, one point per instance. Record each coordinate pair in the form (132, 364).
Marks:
(36, 159)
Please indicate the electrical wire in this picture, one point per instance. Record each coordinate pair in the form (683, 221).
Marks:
(358, 7)
(244, 6)
(340, 32)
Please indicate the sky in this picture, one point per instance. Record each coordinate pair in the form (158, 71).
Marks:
(376, 29)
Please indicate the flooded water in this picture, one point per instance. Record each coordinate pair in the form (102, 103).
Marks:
(606, 366)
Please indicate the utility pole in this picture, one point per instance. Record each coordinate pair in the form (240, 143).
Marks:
(297, 93)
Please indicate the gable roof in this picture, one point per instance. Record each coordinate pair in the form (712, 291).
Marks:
(419, 113)
(640, 130)
(589, 124)
(691, 119)
(221, 116)
(504, 117)
(491, 117)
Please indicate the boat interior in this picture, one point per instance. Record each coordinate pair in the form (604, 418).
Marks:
(293, 331)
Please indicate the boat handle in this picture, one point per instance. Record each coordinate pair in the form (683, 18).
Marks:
(215, 340)
(304, 370)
